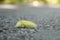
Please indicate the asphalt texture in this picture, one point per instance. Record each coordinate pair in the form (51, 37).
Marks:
(47, 19)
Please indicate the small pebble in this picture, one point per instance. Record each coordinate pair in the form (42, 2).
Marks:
(1, 30)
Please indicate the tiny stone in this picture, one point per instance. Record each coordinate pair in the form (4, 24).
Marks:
(1, 30)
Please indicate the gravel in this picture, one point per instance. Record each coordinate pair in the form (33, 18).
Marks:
(47, 19)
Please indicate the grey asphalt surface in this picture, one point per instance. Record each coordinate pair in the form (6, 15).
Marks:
(47, 19)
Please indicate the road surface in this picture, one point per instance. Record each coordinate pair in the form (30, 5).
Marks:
(47, 19)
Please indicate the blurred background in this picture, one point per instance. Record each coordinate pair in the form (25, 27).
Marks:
(50, 3)
(26, 1)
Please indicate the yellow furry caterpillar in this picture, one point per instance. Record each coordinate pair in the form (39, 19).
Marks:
(26, 24)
